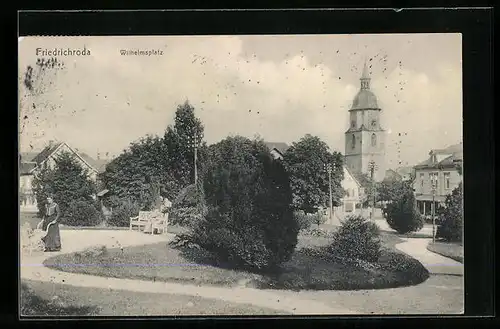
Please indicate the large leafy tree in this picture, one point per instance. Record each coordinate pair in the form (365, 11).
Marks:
(305, 163)
(249, 219)
(72, 189)
(138, 172)
(389, 189)
(155, 165)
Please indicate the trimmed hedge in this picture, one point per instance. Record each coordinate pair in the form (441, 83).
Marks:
(82, 213)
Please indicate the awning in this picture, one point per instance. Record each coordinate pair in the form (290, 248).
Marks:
(428, 197)
(103, 192)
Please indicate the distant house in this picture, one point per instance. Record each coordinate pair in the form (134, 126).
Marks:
(351, 202)
(277, 149)
(392, 175)
(31, 163)
(441, 171)
(399, 174)
(354, 192)
(406, 173)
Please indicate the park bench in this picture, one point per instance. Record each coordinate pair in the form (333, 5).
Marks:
(160, 223)
(151, 219)
(141, 221)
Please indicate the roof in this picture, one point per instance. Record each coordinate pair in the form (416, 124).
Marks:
(365, 99)
(393, 173)
(25, 168)
(353, 176)
(365, 74)
(279, 146)
(455, 155)
(41, 157)
(456, 148)
(404, 170)
(458, 156)
(98, 164)
(45, 153)
(361, 178)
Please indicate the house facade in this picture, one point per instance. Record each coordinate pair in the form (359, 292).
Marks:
(351, 202)
(437, 177)
(31, 164)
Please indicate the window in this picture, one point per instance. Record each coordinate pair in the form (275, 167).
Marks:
(422, 177)
(374, 123)
(374, 140)
(446, 180)
(353, 142)
(353, 124)
(434, 180)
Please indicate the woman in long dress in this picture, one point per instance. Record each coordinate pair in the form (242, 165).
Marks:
(50, 224)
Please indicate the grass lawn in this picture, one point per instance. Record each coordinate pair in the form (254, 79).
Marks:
(43, 298)
(451, 250)
(310, 267)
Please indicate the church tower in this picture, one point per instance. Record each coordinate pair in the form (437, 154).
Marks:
(365, 138)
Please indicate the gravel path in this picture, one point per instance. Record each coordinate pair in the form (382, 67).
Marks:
(442, 293)
(78, 240)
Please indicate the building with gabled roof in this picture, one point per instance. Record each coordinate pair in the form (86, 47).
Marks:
(31, 163)
(277, 149)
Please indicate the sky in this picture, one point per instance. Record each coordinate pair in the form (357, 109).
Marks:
(277, 87)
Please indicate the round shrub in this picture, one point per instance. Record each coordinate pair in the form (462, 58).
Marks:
(357, 238)
(121, 214)
(402, 214)
(249, 221)
(451, 217)
(82, 213)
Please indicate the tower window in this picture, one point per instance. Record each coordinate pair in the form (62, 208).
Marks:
(353, 124)
(374, 140)
(374, 123)
(353, 142)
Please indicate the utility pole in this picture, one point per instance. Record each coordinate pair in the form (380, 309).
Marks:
(328, 168)
(371, 167)
(195, 147)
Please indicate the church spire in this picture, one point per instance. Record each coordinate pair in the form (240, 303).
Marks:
(365, 77)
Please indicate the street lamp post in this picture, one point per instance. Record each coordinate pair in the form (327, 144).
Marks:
(433, 211)
(328, 168)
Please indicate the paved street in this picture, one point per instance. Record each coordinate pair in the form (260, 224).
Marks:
(441, 293)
